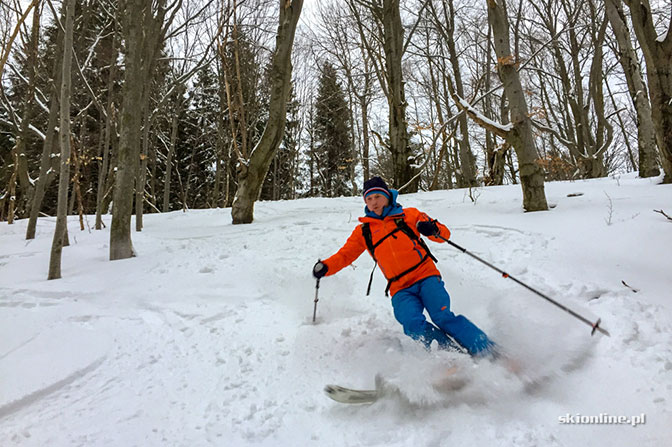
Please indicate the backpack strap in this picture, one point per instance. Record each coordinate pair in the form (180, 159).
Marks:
(403, 226)
(368, 239)
(366, 232)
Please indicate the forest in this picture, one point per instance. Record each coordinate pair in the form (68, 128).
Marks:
(124, 107)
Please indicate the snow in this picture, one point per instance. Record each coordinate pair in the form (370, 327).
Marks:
(205, 338)
(662, 37)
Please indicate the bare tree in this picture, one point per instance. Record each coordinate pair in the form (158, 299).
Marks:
(144, 26)
(64, 137)
(648, 164)
(253, 172)
(582, 125)
(444, 21)
(658, 56)
(48, 163)
(387, 22)
(110, 126)
(182, 69)
(22, 125)
(339, 43)
(520, 134)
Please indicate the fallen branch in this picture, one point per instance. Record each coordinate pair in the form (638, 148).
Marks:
(663, 213)
(629, 286)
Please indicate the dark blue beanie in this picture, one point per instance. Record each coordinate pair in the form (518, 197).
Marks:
(376, 185)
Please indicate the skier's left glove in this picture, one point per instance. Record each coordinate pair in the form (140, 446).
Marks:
(320, 269)
(428, 228)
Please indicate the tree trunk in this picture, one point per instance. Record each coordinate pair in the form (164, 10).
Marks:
(658, 56)
(64, 134)
(648, 163)
(77, 195)
(521, 136)
(239, 87)
(364, 106)
(111, 173)
(171, 150)
(142, 171)
(190, 173)
(467, 177)
(494, 158)
(253, 173)
(216, 194)
(143, 29)
(393, 45)
(11, 190)
(121, 246)
(104, 158)
(604, 130)
(19, 156)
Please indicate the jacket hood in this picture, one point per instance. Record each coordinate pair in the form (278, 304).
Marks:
(390, 210)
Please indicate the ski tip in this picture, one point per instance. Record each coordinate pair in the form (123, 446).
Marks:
(350, 396)
(330, 389)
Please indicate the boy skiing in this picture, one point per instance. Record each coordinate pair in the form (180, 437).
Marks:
(390, 234)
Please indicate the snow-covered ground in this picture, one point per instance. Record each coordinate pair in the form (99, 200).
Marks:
(205, 338)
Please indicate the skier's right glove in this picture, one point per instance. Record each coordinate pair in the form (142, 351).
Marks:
(428, 228)
(320, 269)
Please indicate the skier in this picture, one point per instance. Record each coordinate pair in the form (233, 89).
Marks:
(390, 233)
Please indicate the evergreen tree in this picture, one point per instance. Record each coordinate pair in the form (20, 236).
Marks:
(199, 141)
(93, 31)
(333, 144)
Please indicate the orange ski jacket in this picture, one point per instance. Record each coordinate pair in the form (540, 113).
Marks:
(395, 254)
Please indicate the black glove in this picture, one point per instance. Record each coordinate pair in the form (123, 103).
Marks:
(428, 228)
(320, 269)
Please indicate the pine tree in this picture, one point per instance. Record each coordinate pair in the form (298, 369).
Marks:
(205, 107)
(91, 45)
(332, 131)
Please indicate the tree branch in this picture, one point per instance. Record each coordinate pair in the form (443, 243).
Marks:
(414, 27)
(8, 49)
(663, 213)
(427, 158)
(555, 133)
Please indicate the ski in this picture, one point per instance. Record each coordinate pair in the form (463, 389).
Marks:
(447, 384)
(351, 396)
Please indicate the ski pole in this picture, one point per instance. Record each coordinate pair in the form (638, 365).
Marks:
(595, 326)
(317, 289)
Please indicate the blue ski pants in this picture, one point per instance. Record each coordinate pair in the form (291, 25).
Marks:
(430, 293)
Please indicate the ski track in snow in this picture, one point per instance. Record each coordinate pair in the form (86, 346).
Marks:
(206, 337)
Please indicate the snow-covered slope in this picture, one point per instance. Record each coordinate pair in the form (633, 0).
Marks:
(206, 337)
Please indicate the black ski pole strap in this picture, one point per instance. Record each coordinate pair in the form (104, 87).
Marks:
(368, 288)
